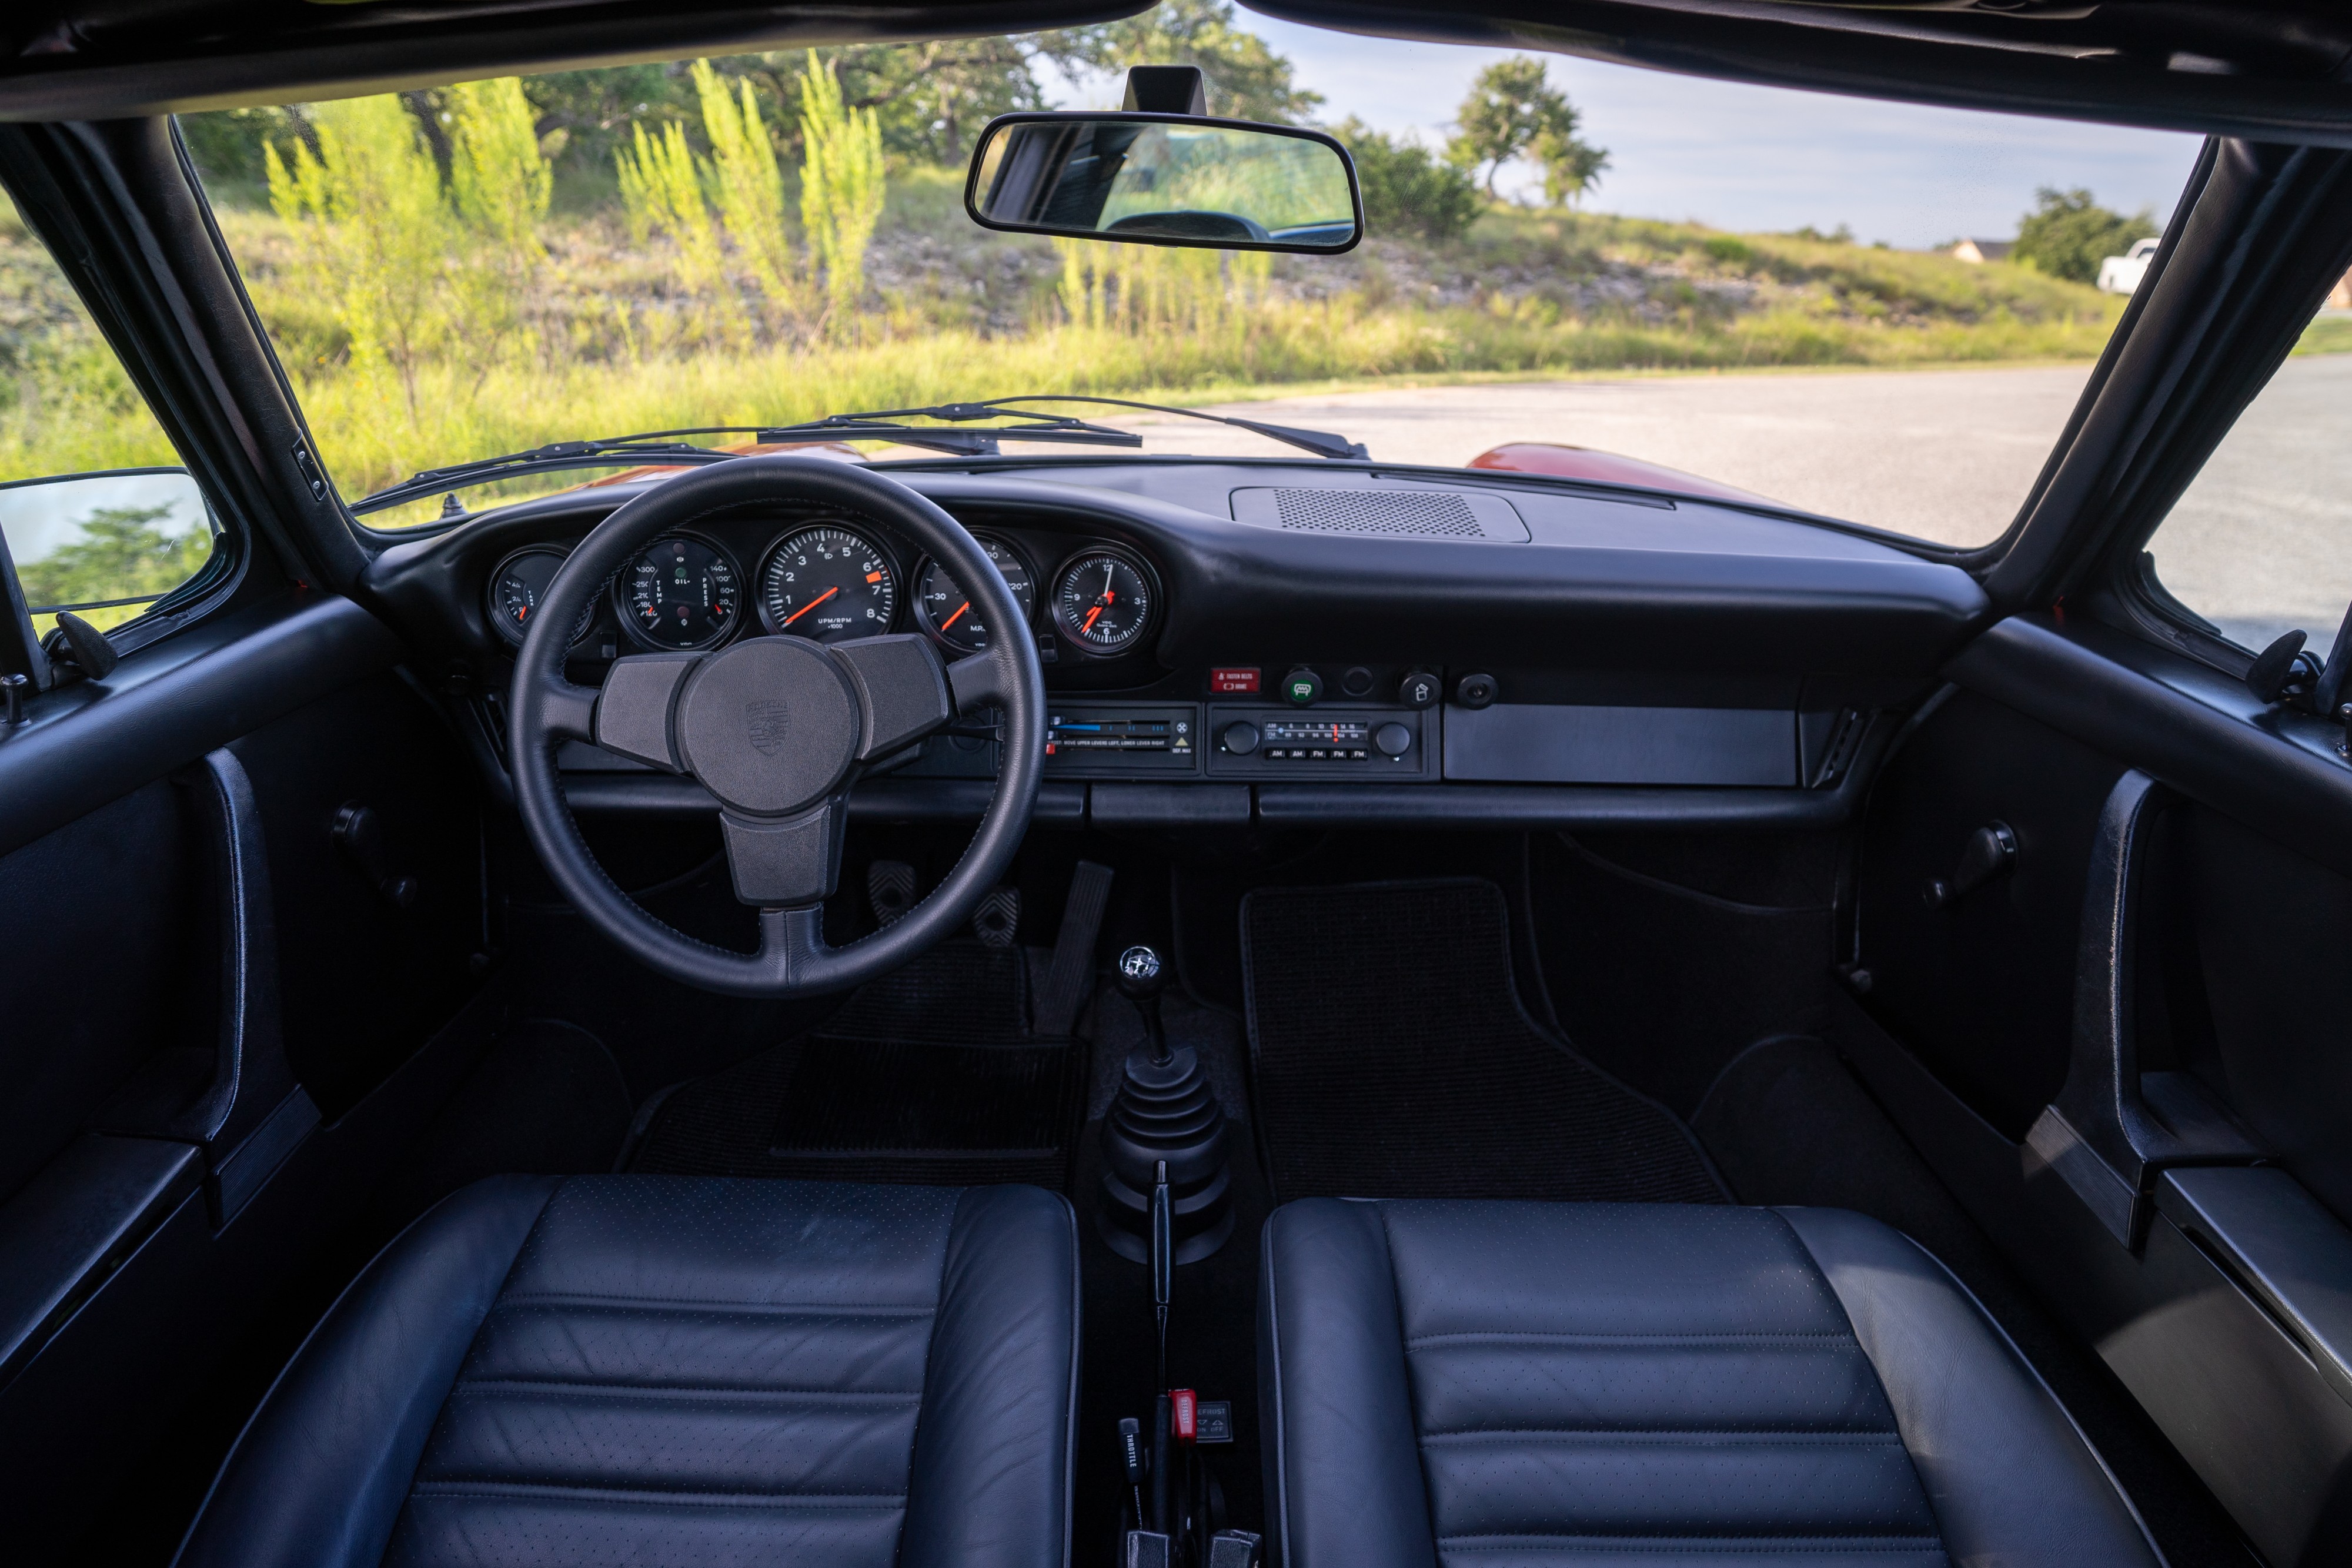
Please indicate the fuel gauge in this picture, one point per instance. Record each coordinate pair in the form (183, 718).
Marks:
(516, 587)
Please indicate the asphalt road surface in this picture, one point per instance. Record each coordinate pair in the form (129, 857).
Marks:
(2260, 542)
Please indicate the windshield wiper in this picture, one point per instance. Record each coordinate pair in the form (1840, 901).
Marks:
(655, 448)
(661, 447)
(1322, 443)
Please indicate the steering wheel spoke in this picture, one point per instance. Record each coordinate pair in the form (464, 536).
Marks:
(634, 711)
(780, 863)
(902, 690)
(980, 681)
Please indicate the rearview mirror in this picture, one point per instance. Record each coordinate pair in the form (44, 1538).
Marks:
(1166, 179)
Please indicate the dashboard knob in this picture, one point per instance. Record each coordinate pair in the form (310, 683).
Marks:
(1241, 738)
(1420, 689)
(1302, 687)
(1474, 691)
(1394, 739)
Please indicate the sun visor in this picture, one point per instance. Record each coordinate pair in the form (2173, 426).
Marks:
(102, 60)
(2280, 71)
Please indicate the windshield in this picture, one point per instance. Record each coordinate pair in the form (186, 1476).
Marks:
(1876, 312)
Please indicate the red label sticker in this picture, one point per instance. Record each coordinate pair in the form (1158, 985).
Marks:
(1186, 1410)
(1233, 680)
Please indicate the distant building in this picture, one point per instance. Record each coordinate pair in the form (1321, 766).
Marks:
(1977, 252)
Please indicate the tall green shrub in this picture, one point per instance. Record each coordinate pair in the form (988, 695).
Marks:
(661, 186)
(374, 229)
(750, 187)
(500, 186)
(841, 188)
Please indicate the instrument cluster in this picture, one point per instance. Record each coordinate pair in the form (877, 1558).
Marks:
(833, 578)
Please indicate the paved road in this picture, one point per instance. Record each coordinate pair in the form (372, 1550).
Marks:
(2262, 540)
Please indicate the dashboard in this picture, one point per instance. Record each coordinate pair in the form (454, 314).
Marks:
(1273, 643)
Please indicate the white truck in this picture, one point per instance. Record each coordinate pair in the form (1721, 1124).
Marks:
(2122, 274)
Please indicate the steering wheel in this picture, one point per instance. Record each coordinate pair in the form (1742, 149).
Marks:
(777, 728)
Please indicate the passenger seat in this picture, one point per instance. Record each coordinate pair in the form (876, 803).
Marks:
(1515, 1384)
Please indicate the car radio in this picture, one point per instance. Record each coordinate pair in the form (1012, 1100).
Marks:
(1362, 743)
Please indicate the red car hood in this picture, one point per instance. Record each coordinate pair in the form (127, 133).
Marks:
(1563, 462)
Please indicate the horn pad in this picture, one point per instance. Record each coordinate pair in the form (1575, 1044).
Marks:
(770, 726)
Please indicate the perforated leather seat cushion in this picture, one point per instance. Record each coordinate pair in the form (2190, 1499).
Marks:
(667, 1370)
(1515, 1384)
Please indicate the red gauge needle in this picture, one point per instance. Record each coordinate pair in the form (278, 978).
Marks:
(1089, 623)
(957, 616)
(812, 604)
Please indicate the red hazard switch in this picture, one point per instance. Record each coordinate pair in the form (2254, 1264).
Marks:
(1231, 681)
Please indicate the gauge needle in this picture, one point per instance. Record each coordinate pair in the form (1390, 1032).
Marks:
(957, 616)
(1091, 614)
(812, 604)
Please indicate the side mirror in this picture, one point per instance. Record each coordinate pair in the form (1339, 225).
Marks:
(1166, 179)
(102, 547)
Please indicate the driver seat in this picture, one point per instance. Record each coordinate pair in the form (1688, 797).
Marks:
(680, 1371)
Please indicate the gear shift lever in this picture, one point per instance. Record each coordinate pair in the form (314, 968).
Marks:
(1141, 977)
(1165, 1127)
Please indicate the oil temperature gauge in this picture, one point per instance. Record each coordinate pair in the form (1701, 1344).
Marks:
(1102, 602)
(681, 593)
(516, 587)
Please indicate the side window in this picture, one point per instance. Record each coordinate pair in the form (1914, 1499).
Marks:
(2261, 542)
(98, 518)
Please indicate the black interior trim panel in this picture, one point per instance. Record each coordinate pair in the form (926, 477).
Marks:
(2182, 721)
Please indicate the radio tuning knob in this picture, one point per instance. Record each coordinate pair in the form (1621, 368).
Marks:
(1241, 738)
(1394, 739)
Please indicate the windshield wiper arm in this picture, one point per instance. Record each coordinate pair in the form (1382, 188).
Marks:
(1322, 443)
(655, 448)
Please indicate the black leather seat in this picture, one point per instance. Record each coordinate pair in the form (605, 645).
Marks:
(670, 1370)
(1514, 1385)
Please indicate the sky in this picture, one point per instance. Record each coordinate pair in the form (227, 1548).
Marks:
(1761, 159)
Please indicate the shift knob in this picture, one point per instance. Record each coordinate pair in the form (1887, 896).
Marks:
(1140, 975)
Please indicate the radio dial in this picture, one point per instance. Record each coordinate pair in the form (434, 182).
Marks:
(1394, 739)
(1241, 738)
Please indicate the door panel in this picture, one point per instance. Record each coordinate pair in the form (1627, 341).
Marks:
(224, 1020)
(2125, 1054)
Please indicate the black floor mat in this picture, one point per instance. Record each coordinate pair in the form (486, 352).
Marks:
(927, 1075)
(1394, 1060)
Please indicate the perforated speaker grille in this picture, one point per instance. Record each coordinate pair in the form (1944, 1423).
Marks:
(1396, 514)
(1378, 512)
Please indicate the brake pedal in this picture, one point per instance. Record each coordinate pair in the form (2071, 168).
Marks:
(998, 919)
(890, 888)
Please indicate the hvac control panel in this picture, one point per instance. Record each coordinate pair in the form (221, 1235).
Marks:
(1122, 742)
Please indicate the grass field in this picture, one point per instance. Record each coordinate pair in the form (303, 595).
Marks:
(607, 341)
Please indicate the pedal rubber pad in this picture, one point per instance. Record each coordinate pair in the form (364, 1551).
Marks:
(890, 888)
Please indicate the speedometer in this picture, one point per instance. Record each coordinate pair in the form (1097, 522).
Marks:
(946, 609)
(681, 593)
(1102, 600)
(828, 583)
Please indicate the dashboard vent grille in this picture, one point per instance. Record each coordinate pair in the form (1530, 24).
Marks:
(1406, 514)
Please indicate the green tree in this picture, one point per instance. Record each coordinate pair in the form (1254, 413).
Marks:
(1570, 167)
(931, 98)
(1245, 79)
(374, 227)
(122, 554)
(841, 187)
(1406, 188)
(1513, 111)
(2067, 235)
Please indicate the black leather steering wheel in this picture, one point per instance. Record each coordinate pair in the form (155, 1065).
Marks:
(777, 728)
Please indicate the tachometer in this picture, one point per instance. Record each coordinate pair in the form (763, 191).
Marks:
(516, 587)
(828, 583)
(946, 611)
(1102, 600)
(681, 593)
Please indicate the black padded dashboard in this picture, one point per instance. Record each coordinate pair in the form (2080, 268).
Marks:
(1595, 654)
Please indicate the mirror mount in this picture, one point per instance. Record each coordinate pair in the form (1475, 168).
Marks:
(1166, 90)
